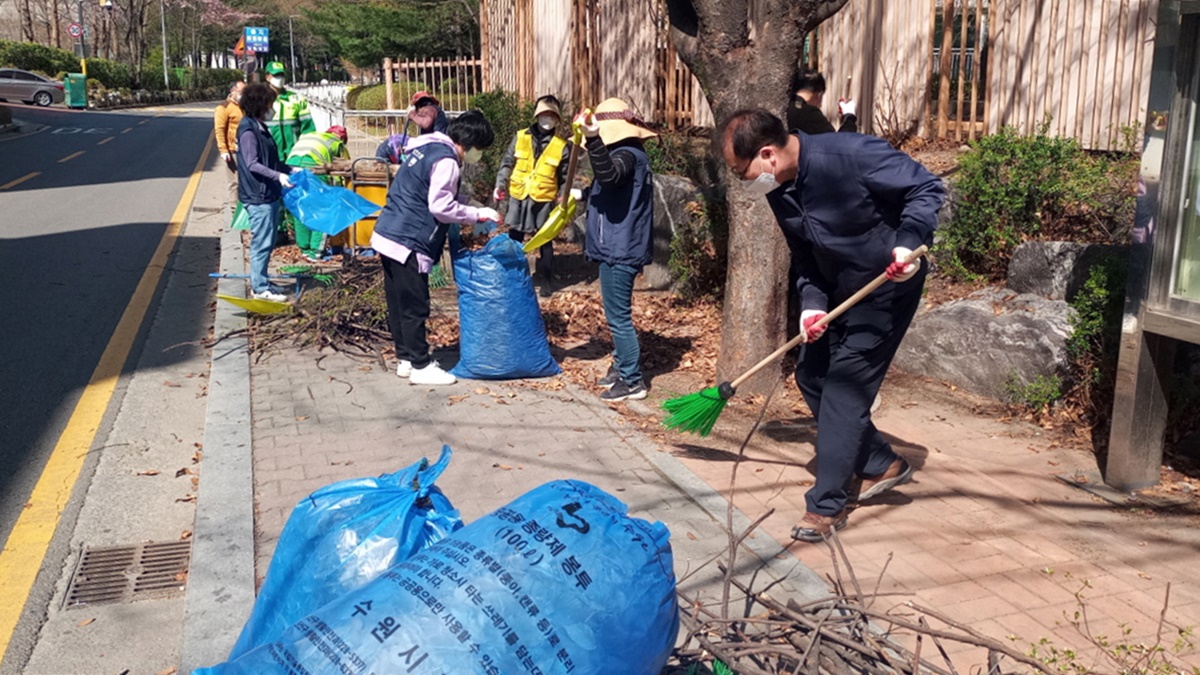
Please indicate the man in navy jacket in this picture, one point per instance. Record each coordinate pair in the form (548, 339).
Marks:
(850, 207)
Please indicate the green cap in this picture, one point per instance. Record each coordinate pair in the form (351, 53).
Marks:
(275, 68)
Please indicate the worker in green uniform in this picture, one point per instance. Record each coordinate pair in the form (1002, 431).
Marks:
(291, 118)
(318, 148)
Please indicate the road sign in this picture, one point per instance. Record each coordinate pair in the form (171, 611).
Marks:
(257, 39)
(75, 29)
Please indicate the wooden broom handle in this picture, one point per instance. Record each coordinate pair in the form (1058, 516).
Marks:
(572, 166)
(824, 321)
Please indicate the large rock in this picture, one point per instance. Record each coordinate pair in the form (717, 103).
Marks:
(672, 194)
(1056, 269)
(978, 343)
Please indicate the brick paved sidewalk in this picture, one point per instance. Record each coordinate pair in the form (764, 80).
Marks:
(320, 422)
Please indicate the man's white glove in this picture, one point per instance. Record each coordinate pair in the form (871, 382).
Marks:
(808, 318)
(587, 122)
(486, 214)
(576, 194)
(284, 180)
(499, 194)
(848, 108)
(899, 271)
(226, 157)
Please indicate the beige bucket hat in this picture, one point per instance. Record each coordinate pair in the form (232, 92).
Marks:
(618, 122)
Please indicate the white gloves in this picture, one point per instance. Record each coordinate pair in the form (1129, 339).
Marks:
(898, 271)
(588, 123)
(848, 107)
(498, 195)
(808, 318)
(284, 180)
(486, 214)
(576, 194)
(227, 157)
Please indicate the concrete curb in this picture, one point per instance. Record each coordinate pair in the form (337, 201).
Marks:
(221, 584)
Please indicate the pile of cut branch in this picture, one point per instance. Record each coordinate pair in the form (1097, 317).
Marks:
(842, 633)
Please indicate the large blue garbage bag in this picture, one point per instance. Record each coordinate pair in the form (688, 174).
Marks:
(324, 208)
(559, 581)
(501, 333)
(343, 536)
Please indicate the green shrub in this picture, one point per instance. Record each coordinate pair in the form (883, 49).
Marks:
(507, 114)
(39, 58)
(1013, 188)
(374, 97)
(698, 251)
(203, 78)
(111, 74)
(1037, 395)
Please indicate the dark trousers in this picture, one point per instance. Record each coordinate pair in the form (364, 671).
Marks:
(545, 264)
(407, 293)
(840, 375)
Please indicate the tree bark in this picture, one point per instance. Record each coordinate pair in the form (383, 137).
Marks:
(26, 13)
(736, 70)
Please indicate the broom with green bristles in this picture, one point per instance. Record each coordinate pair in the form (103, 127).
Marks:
(697, 412)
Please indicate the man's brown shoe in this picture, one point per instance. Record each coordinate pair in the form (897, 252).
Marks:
(815, 527)
(899, 473)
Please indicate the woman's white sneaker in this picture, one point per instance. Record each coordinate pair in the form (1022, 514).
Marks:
(404, 369)
(431, 374)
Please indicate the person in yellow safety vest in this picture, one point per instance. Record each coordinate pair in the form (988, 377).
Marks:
(291, 118)
(530, 178)
(317, 148)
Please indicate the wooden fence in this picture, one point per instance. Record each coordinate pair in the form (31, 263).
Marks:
(944, 68)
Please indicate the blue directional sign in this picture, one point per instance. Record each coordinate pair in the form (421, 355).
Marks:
(257, 39)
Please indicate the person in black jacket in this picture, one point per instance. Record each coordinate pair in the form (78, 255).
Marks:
(850, 207)
(804, 113)
(262, 177)
(620, 219)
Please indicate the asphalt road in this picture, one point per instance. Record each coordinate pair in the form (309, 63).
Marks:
(85, 198)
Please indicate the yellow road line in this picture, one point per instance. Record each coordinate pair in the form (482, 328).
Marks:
(125, 131)
(71, 156)
(26, 547)
(22, 179)
(106, 140)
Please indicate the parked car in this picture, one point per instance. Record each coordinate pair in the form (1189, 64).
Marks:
(22, 85)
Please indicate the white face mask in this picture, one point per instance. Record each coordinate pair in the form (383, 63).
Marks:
(762, 184)
(276, 82)
(547, 122)
(270, 115)
(473, 156)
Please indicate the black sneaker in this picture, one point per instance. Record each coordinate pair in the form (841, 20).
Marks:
(610, 378)
(621, 392)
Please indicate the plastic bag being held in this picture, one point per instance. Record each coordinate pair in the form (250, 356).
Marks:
(559, 581)
(325, 208)
(501, 332)
(343, 536)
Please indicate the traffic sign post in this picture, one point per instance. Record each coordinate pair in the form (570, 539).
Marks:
(257, 39)
(74, 30)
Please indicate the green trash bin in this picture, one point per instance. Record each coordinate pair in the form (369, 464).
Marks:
(75, 88)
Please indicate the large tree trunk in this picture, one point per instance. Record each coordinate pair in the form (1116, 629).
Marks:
(26, 12)
(744, 52)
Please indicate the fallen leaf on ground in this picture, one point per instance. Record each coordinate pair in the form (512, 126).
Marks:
(86, 622)
(482, 391)
(458, 399)
(181, 576)
(185, 535)
(189, 498)
(502, 466)
(148, 472)
(691, 536)
(1144, 575)
(171, 384)
(168, 671)
(301, 418)
(183, 472)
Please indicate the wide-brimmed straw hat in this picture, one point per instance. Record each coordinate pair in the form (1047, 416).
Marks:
(547, 106)
(618, 122)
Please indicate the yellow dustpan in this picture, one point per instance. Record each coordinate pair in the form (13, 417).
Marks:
(257, 305)
(565, 211)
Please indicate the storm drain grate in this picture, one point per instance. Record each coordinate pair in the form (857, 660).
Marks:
(123, 574)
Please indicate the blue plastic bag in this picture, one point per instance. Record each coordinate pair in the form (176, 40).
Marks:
(501, 333)
(559, 581)
(342, 537)
(324, 208)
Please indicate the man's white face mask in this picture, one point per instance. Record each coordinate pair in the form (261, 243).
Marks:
(547, 122)
(765, 182)
(275, 81)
